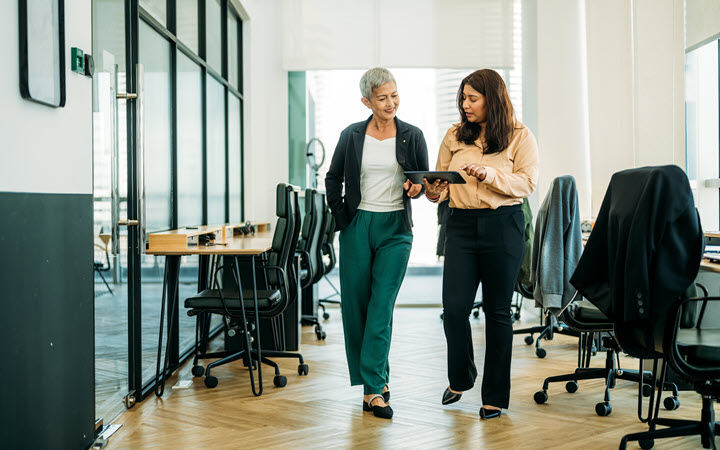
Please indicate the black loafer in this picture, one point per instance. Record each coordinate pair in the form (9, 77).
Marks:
(487, 414)
(450, 397)
(383, 412)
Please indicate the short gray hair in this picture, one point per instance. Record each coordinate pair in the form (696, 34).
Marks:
(374, 78)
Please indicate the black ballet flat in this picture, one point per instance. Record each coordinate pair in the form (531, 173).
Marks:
(383, 412)
(450, 397)
(487, 414)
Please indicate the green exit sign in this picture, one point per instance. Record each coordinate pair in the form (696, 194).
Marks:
(77, 60)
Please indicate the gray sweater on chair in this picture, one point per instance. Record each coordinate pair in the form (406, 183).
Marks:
(557, 246)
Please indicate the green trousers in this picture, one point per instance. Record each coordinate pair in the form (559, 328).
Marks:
(374, 253)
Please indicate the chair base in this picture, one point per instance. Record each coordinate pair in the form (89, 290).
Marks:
(610, 373)
(707, 428)
(312, 320)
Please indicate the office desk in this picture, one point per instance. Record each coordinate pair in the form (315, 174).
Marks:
(251, 246)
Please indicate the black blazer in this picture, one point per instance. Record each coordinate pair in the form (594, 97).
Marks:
(411, 154)
(644, 250)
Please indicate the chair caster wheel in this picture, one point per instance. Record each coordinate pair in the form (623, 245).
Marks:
(646, 390)
(326, 316)
(571, 386)
(303, 369)
(210, 381)
(280, 380)
(516, 316)
(647, 443)
(476, 314)
(603, 409)
(671, 403)
(529, 340)
(541, 353)
(540, 397)
(198, 371)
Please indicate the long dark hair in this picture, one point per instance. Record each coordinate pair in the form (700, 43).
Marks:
(500, 112)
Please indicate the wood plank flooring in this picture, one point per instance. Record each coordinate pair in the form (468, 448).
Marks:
(323, 411)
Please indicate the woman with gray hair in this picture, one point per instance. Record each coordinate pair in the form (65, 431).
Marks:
(375, 222)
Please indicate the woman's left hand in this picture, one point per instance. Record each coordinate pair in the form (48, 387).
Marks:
(413, 189)
(474, 170)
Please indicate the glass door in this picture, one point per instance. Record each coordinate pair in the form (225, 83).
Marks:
(110, 153)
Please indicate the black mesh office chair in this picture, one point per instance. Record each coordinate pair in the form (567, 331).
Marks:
(310, 246)
(641, 258)
(329, 261)
(242, 309)
(694, 353)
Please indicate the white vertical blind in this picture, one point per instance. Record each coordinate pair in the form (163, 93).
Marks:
(352, 34)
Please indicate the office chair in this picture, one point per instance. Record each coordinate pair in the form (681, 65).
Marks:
(694, 353)
(589, 322)
(642, 256)
(329, 261)
(311, 249)
(242, 310)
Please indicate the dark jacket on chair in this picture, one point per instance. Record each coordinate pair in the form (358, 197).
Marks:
(644, 250)
(410, 152)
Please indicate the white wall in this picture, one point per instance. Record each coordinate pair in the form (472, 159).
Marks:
(703, 21)
(266, 108)
(45, 149)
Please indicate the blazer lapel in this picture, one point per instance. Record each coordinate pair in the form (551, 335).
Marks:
(401, 142)
(359, 141)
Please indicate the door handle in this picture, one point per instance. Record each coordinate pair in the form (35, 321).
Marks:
(127, 223)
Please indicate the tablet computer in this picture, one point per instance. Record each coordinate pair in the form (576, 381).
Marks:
(450, 176)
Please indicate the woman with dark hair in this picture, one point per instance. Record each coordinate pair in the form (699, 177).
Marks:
(498, 158)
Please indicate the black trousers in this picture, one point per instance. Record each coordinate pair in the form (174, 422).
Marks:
(483, 246)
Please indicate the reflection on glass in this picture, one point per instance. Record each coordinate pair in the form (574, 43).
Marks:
(189, 142)
(213, 31)
(156, 8)
(234, 158)
(187, 23)
(109, 138)
(233, 49)
(155, 55)
(215, 151)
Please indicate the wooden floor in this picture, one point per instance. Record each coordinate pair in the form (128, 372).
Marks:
(323, 411)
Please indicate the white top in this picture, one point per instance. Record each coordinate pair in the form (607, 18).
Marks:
(381, 177)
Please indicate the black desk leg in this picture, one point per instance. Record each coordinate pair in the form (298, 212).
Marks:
(170, 293)
(203, 319)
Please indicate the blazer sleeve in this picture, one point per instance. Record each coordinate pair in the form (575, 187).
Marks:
(334, 182)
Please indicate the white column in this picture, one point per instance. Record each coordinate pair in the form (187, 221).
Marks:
(562, 97)
(610, 92)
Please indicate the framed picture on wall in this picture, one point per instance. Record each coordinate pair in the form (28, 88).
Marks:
(42, 51)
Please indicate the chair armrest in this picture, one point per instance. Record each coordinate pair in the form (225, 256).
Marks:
(305, 255)
(283, 278)
(670, 344)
